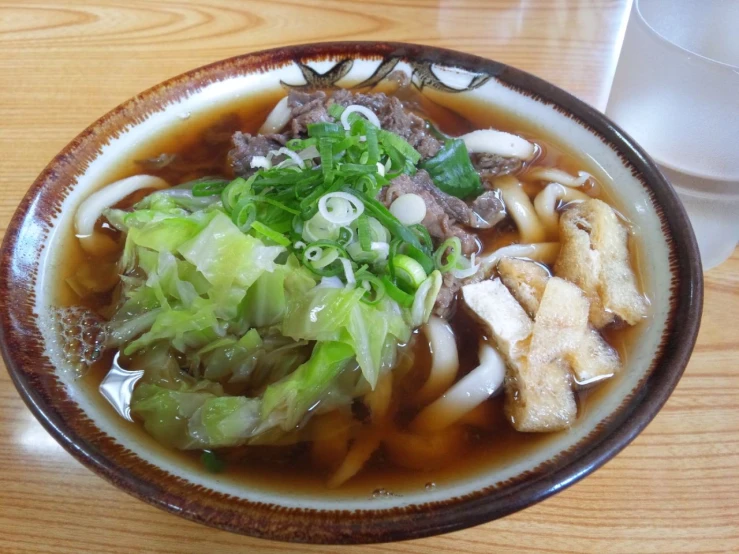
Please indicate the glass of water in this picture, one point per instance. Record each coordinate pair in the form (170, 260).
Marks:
(676, 91)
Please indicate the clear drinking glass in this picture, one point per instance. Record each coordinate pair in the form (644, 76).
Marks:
(676, 91)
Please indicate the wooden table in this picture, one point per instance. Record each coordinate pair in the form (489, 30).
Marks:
(63, 64)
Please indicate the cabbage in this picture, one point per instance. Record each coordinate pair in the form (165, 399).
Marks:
(226, 421)
(193, 326)
(226, 256)
(164, 235)
(166, 412)
(370, 328)
(266, 299)
(230, 260)
(229, 356)
(337, 314)
(291, 398)
(320, 314)
(199, 416)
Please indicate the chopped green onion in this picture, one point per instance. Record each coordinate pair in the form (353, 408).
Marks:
(320, 130)
(426, 261)
(232, 192)
(298, 224)
(335, 110)
(270, 233)
(346, 235)
(212, 462)
(383, 215)
(331, 251)
(358, 168)
(300, 144)
(373, 285)
(326, 259)
(244, 216)
(271, 202)
(391, 140)
(325, 148)
(438, 133)
(423, 236)
(363, 230)
(454, 245)
(373, 146)
(363, 256)
(288, 176)
(401, 297)
(209, 186)
(408, 271)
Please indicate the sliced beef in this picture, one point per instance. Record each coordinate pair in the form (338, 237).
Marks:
(493, 165)
(441, 211)
(394, 117)
(445, 216)
(246, 146)
(487, 210)
(445, 213)
(306, 107)
(450, 285)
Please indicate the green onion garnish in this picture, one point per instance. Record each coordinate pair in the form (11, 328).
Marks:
(374, 286)
(270, 233)
(401, 297)
(408, 271)
(363, 230)
(212, 462)
(454, 246)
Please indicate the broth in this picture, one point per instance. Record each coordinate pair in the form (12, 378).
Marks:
(201, 145)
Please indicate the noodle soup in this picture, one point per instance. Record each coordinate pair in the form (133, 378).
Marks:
(368, 289)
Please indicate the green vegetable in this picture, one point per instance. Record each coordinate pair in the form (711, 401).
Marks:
(383, 215)
(228, 259)
(229, 358)
(208, 186)
(451, 170)
(166, 412)
(335, 110)
(294, 395)
(183, 327)
(363, 232)
(409, 271)
(374, 287)
(226, 421)
(320, 313)
(212, 462)
(430, 289)
(266, 300)
(400, 296)
(270, 233)
(370, 327)
(448, 254)
(394, 142)
(330, 130)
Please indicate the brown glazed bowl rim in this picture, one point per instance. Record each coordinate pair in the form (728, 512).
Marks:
(19, 337)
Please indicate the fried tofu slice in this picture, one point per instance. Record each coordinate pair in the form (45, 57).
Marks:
(594, 359)
(493, 303)
(561, 322)
(595, 256)
(539, 395)
(526, 280)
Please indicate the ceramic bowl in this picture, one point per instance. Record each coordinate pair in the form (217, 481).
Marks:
(110, 447)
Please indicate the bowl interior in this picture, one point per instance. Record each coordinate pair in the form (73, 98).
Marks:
(87, 427)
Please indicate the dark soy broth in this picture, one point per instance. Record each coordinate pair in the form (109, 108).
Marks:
(201, 144)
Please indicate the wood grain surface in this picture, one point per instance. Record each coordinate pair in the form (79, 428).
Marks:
(63, 64)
